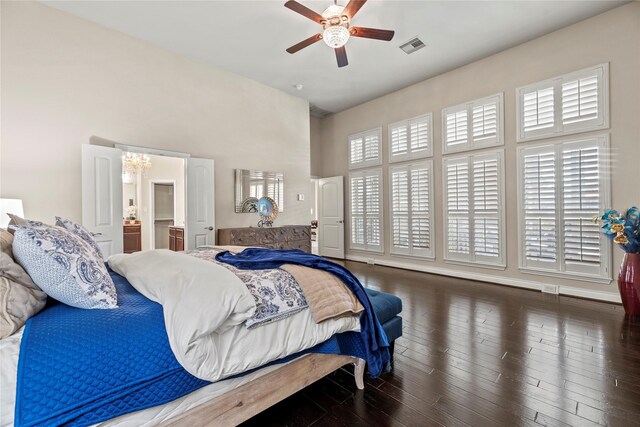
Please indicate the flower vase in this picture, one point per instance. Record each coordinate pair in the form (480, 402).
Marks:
(629, 283)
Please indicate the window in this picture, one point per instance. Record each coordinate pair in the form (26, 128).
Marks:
(474, 209)
(562, 186)
(475, 124)
(576, 102)
(411, 188)
(366, 210)
(411, 139)
(364, 149)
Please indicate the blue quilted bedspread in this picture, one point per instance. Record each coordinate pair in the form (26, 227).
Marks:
(80, 367)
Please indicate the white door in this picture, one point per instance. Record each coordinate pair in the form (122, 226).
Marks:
(102, 196)
(331, 217)
(200, 213)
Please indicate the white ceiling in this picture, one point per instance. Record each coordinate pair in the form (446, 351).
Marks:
(250, 37)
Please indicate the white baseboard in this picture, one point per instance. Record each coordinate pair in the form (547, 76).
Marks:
(500, 280)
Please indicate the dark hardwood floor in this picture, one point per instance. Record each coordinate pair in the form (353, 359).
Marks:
(484, 355)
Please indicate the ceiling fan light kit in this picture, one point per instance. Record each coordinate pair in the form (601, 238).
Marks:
(335, 21)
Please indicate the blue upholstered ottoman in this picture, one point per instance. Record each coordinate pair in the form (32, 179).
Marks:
(387, 308)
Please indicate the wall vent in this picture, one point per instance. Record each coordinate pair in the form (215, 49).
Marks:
(318, 112)
(412, 45)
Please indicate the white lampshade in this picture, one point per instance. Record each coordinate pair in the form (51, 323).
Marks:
(9, 206)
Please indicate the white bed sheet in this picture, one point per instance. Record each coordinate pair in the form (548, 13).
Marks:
(303, 333)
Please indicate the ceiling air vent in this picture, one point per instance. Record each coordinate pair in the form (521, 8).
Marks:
(412, 45)
(318, 112)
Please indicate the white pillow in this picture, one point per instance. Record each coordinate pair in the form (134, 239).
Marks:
(82, 232)
(64, 266)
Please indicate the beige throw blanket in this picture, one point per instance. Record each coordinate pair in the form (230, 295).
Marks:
(327, 296)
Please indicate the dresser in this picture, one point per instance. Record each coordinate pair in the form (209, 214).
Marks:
(176, 238)
(131, 238)
(285, 237)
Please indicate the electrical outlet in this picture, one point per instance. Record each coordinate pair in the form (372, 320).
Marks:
(371, 261)
(551, 289)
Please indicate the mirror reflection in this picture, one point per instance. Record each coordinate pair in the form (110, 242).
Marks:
(251, 185)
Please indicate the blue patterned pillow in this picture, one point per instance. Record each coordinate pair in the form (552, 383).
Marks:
(64, 266)
(80, 231)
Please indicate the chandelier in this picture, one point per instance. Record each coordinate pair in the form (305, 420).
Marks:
(133, 163)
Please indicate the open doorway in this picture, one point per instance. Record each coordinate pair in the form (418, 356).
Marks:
(163, 212)
(153, 189)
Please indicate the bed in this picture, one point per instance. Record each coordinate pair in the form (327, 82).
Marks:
(234, 395)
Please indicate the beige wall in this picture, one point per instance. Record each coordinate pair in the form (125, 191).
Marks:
(65, 80)
(316, 146)
(612, 37)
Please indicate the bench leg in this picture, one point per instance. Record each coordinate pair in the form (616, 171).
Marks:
(359, 373)
(392, 347)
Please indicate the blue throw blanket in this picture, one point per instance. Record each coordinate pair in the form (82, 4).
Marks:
(80, 367)
(376, 345)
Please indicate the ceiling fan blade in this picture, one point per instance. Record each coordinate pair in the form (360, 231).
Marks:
(372, 33)
(304, 11)
(304, 43)
(341, 56)
(353, 7)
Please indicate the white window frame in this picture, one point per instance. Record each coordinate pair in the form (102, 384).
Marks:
(559, 267)
(367, 247)
(363, 135)
(411, 251)
(473, 144)
(411, 154)
(601, 71)
(498, 262)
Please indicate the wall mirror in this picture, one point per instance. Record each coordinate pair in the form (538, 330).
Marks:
(252, 185)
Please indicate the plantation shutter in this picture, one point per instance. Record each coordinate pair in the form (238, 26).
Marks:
(410, 139)
(572, 103)
(580, 100)
(366, 210)
(581, 202)
(364, 149)
(357, 211)
(400, 209)
(474, 213)
(562, 187)
(538, 110)
(486, 206)
(539, 206)
(411, 199)
(475, 124)
(458, 207)
(484, 121)
(456, 130)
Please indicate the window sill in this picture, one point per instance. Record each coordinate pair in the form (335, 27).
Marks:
(476, 264)
(563, 275)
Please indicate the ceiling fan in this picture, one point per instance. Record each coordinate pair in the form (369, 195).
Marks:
(336, 24)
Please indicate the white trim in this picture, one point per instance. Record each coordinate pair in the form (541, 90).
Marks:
(364, 163)
(613, 297)
(559, 129)
(410, 154)
(471, 258)
(471, 144)
(602, 141)
(153, 151)
(479, 264)
(565, 275)
(411, 251)
(366, 247)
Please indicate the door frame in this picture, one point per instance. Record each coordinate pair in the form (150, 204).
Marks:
(152, 207)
